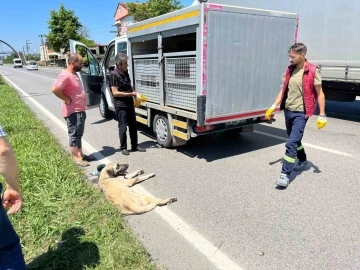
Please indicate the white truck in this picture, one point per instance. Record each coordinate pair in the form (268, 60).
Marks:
(330, 29)
(17, 63)
(204, 69)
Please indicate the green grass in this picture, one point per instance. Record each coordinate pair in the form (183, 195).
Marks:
(65, 223)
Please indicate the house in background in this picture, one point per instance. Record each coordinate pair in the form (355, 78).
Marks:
(49, 56)
(122, 18)
(99, 51)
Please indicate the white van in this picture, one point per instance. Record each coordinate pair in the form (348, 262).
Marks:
(17, 63)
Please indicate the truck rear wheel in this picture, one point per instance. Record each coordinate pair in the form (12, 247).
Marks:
(162, 131)
(104, 109)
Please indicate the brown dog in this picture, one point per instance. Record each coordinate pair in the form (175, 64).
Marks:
(115, 184)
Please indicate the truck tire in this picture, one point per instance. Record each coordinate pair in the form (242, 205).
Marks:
(162, 131)
(104, 109)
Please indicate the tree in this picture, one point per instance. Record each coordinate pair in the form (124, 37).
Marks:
(9, 59)
(87, 42)
(63, 25)
(152, 8)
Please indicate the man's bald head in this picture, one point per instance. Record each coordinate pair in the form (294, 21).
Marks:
(75, 58)
(75, 62)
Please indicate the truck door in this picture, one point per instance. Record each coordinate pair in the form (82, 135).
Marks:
(91, 75)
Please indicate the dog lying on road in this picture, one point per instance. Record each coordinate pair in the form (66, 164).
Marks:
(115, 184)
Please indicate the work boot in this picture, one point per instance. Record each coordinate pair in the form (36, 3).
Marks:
(125, 152)
(283, 180)
(300, 166)
(138, 148)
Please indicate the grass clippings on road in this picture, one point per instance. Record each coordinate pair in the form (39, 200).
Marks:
(64, 223)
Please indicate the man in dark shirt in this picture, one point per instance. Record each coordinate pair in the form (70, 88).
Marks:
(123, 93)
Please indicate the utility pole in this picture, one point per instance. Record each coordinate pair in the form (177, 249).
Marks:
(27, 46)
(43, 46)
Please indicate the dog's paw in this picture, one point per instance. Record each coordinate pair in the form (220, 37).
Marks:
(151, 175)
(172, 200)
(141, 172)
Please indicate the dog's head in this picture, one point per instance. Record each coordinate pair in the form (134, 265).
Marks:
(114, 169)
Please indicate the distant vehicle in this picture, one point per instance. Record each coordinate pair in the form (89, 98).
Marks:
(17, 63)
(1, 62)
(32, 66)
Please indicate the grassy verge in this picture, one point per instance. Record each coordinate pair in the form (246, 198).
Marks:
(64, 223)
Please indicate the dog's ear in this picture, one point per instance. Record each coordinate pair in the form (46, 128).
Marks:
(100, 167)
(111, 172)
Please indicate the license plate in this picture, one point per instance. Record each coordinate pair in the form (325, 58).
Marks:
(237, 122)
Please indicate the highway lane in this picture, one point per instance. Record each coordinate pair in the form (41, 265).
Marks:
(227, 194)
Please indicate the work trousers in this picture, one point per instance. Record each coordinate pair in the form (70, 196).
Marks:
(295, 125)
(126, 117)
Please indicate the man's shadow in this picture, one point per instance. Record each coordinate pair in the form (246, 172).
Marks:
(296, 173)
(70, 253)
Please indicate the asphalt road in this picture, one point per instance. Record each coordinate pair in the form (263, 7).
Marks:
(226, 190)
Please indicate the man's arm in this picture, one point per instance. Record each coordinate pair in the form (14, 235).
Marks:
(114, 84)
(58, 87)
(60, 94)
(278, 99)
(319, 91)
(117, 93)
(321, 98)
(9, 169)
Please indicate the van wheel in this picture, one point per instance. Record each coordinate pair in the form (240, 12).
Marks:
(162, 131)
(104, 108)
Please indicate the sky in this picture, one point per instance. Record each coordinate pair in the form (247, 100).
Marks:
(26, 20)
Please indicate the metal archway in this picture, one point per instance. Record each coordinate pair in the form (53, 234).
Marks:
(7, 44)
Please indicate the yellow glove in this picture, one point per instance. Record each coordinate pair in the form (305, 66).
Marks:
(321, 121)
(270, 111)
(137, 103)
(141, 97)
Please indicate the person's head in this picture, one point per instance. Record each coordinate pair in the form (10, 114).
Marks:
(75, 62)
(297, 53)
(121, 61)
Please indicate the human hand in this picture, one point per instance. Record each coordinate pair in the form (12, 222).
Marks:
(270, 111)
(141, 97)
(12, 198)
(321, 121)
(68, 101)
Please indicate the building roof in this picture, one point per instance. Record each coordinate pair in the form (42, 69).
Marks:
(125, 5)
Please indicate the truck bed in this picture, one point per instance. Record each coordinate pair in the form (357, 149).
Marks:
(246, 55)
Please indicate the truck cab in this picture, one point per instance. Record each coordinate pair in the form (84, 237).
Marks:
(95, 75)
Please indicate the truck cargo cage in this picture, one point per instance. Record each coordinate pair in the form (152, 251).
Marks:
(180, 80)
(147, 79)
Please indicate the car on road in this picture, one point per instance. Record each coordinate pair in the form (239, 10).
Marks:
(32, 66)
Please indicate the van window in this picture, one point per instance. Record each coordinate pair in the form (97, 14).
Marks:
(17, 61)
(122, 47)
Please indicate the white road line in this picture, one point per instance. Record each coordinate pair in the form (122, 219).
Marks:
(33, 73)
(307, 144)
(211, 252)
